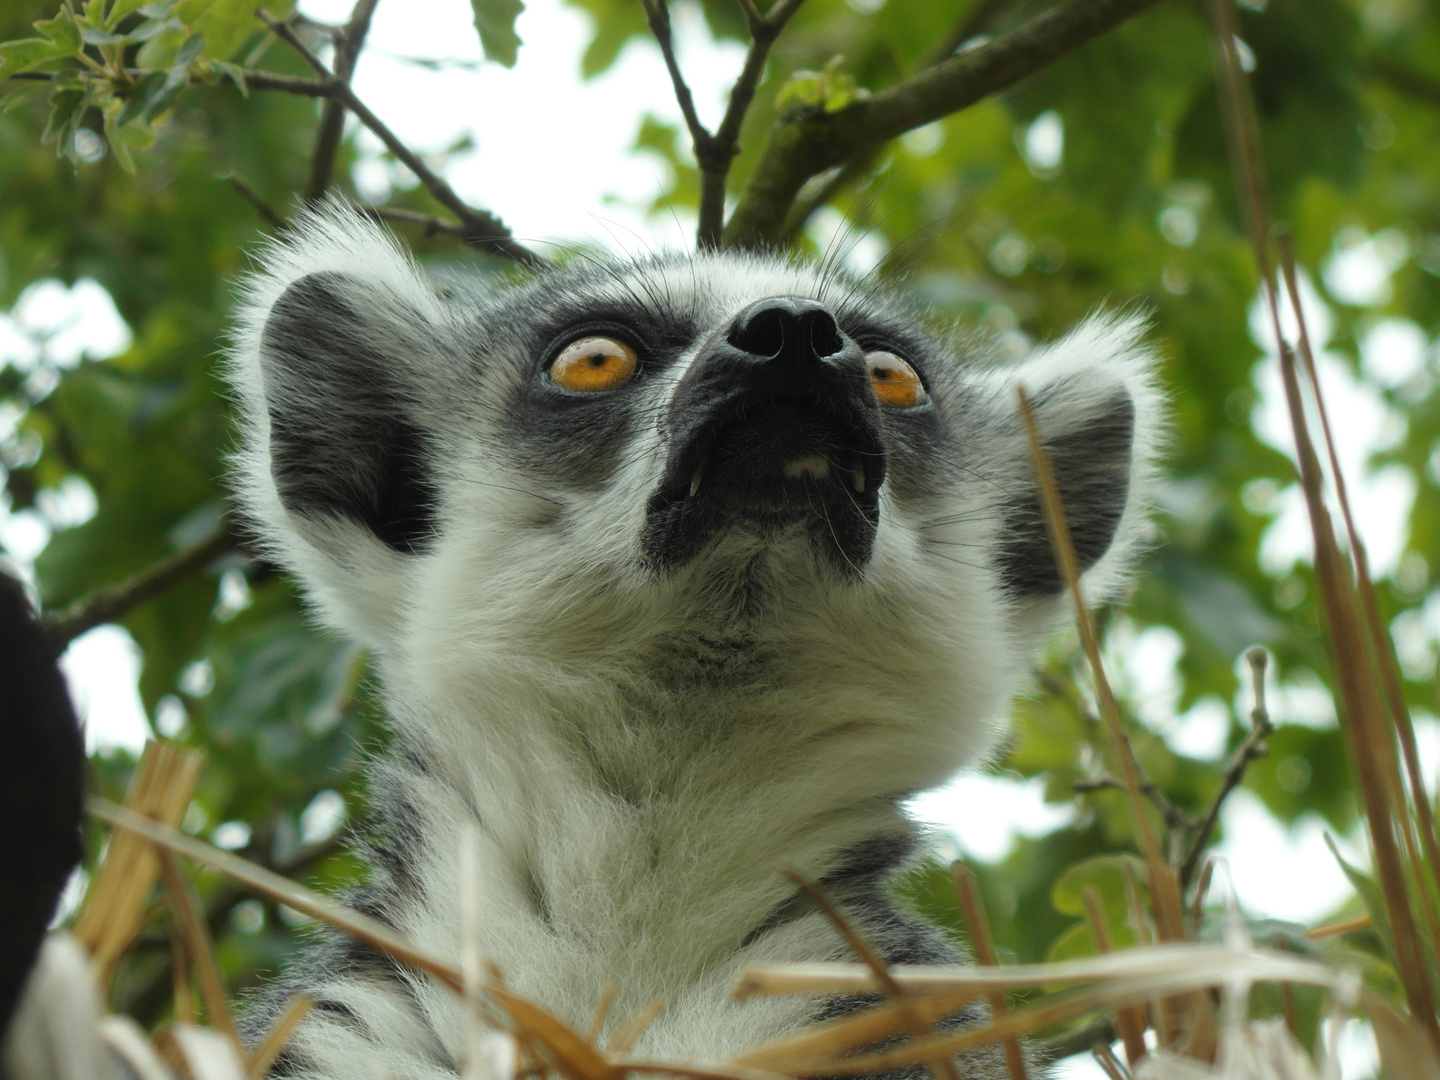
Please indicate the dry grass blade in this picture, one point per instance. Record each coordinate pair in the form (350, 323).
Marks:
(207, 1054)
(1384, 648)
(1169, 908)
(1130, 1020)
(1404, 1049)
(281, 889)
(199, 951)
(1350, 646)
(1205, 963)
(114, 910)
(278, 1036)
(694, 1070)
(1178, 975)
(942, 1068)
(127, 1038)
(979, 927)
(628, 1034)
(837, 1037)
(569, 1051)
(602, 1011)
(1341, 926)
(1168, 913)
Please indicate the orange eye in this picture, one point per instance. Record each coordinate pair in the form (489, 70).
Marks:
(895, 381)
(594, 363)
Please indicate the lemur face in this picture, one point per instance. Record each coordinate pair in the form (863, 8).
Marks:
(773, 418)
(728, 436)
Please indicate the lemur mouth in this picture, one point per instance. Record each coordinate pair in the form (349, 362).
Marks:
(766, 465)
(760, 453)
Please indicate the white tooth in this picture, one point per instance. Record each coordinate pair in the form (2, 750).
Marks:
(699, 474)
(857, 477)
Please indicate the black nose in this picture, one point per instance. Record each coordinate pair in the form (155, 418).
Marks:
(786, 328)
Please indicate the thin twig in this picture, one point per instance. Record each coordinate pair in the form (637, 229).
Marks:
(1175, 818)
(1106, 1059)
(255, 199)
(1252, 747)
(348, 43)
(482, 230)
(107, 605)
(714, 152)
(657, 13)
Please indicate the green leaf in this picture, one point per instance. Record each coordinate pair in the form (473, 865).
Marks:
(147, 92)
(1106, 875)
(62, 29)
(1370, 895)
(67, 106)
(117, 143)
(98, 36)
(29, 53)
(235, 72)
(495, 21)
(193, 47)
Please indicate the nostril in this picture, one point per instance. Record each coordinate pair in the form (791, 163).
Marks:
(759, 333)
(824, 334)
(786, 324)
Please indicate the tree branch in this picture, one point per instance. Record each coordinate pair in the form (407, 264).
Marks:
(482, 230)
(429, 223)
(973, 23)
(1175, 818)
(658, 16)
(109, 604)
(332, 119)
(715, 152)
(272, 217)
(1251, 748)
(1416, 85)
(805, 143)
(254, 80)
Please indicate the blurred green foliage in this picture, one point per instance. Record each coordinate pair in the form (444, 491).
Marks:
(123, 178)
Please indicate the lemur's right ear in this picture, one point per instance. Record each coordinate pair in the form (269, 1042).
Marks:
(337, 341)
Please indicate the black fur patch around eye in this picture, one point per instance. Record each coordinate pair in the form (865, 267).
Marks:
(340, 442)
(1092, 471)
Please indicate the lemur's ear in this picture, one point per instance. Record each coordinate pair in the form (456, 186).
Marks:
(338, 340)
(341, 442)
(1101, 420)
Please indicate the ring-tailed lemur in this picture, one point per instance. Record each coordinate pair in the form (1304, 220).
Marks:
(675, 571)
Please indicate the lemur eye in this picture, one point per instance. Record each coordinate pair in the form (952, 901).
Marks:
(594, 363)
(895, 381)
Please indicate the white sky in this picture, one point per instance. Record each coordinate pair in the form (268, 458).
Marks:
(550, 160)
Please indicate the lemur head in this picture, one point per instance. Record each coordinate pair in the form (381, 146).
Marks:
(706, 471)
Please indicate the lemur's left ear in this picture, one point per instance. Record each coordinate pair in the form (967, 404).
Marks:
(1101, 419)
(339, 338)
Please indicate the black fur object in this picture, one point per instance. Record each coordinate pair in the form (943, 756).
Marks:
(42, 763)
